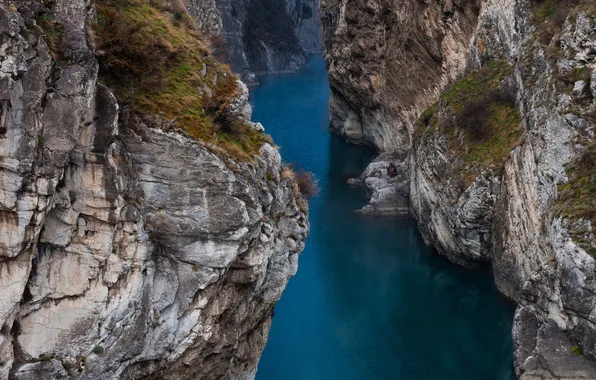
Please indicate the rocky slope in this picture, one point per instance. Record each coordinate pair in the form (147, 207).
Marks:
(128, 248)
(485, 115)
(258, 36)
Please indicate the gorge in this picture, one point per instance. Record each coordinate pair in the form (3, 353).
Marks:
(149, 225)
(370, 300)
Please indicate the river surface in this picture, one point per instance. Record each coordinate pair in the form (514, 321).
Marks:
(370, 300)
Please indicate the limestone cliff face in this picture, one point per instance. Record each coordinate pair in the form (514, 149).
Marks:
(511, 187)
(261, 35)
(126, 252)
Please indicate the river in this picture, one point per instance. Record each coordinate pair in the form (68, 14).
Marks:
(370, 300)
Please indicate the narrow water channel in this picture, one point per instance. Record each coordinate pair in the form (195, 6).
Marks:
(370, 300)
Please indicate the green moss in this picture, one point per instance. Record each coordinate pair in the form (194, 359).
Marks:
(504, 124)
(195, 267)
(428, 118)
(576, 349)
(98, 350)
(46, 358)
(157, 64)
(577, 74)
(545, 10)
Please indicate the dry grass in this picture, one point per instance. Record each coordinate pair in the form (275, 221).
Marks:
(550, 16)
(154, 59)
(577, 198)
(304, 185)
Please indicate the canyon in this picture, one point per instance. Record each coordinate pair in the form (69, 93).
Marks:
(149, 226)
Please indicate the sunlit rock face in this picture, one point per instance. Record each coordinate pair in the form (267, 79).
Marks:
(396, 67)
(126, 251)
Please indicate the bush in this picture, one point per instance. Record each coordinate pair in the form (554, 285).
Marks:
(479, 117)
(476, 115)
(307, 183)
(576, 349)
(550, 15)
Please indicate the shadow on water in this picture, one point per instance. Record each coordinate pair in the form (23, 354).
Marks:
(370, 300)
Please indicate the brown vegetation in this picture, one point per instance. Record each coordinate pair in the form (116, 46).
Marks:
(550, 16)
(480, 118)
(151, 54)
(577, 198)
(307, 183)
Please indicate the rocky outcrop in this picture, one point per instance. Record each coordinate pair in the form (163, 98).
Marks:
(410, 78)
(126, 251)
(261, 35)
(370, 50)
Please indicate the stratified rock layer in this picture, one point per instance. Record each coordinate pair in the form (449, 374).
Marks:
(393, 67)
(125, 251)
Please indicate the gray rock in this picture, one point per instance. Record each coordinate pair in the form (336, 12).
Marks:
(390, 61)
(261, 35)
(580, 88)
(127, 252)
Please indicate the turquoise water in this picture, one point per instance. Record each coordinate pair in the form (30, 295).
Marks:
(370, 301)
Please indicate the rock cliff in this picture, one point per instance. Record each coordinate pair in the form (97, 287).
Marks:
(484, 113)
(132, 245)
(257, 36)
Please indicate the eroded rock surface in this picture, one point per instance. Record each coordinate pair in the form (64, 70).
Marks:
(125, 251)
(258, 36)
(395, 65)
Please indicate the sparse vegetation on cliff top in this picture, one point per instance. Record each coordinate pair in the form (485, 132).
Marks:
(155, 61)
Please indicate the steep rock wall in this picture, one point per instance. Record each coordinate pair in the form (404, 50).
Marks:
(261, 35)
(503, 197)
(126, 252)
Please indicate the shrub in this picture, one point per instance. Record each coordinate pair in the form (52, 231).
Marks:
(98, 350)
(576, 349)
(476, 115)
(479, 117)
(307, 183)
